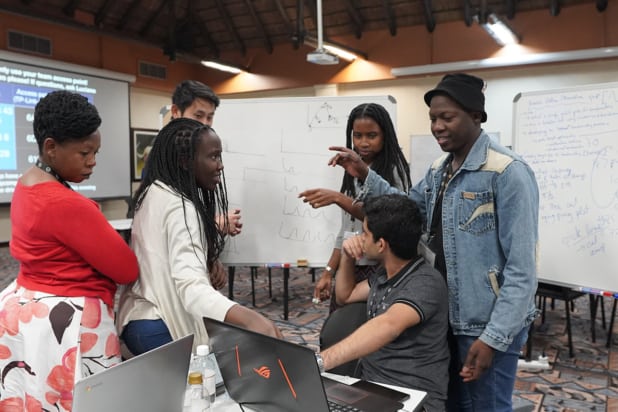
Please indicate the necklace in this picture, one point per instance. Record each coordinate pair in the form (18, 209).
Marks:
(48, 169)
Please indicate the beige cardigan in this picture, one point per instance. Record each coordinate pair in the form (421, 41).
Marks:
(173, 284)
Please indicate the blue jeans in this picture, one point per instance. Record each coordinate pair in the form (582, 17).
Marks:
(143, 335)
(493, 391)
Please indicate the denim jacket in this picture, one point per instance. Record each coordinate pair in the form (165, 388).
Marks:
(490, 234)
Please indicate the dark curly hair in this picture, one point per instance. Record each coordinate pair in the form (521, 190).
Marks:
(390, 160)
(64, 116)
(171, 161)
(397, 219)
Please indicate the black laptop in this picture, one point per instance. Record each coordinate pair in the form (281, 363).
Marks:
(272, 375)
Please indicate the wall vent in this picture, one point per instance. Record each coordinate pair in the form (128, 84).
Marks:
(30, 43)
(155, 71)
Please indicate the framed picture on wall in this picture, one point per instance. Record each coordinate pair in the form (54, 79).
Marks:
(141, 143)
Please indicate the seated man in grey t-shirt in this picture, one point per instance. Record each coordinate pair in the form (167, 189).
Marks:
(404, 340)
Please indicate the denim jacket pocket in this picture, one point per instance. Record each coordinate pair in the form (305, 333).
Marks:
(477, 212)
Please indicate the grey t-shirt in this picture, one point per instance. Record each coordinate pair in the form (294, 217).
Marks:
(419, 357)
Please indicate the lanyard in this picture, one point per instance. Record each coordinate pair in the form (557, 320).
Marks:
(48, 169)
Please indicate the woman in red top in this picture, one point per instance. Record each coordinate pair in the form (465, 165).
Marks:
(56, 318)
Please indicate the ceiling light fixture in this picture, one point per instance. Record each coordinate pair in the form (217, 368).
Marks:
(336, 49)
(223, 67)
(498, 30)
(344, 54)
(508, 61)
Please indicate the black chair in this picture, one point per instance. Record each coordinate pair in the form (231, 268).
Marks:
(556, 292)
(339, 324)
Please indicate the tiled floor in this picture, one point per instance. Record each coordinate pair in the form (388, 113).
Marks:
(586, 382)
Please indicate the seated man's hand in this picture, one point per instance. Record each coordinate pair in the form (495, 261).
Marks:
(353, 247)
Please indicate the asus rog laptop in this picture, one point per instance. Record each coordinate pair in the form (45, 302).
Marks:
(271, 375)
(154, 381)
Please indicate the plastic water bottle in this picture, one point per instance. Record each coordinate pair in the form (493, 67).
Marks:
(195, 401)
(205, 364)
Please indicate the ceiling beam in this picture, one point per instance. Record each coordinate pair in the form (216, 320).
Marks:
(258, 23)
(468, 13)
(102, 12)
(312, 9)
(357, 19)
(288, 23)
(197, 21)
(510, 9)
(554, 7)
(298, 38)
(70, 7)
(430, 20)
(390, 17)
(602, 5)
(170, 50)
(483, 12)
(230, 27)
(127, 14)
(154, 16)
(284, 16)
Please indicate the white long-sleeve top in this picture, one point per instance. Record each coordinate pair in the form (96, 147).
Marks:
(174, 283)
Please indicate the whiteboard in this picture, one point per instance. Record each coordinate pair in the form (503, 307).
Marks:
(423, 152)
(273, 149)
(570, 139)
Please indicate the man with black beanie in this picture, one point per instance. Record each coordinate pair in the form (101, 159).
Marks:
(480, 202)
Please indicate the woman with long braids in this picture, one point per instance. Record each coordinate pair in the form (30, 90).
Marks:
(177, 242)
(371, 133)
(57, 317)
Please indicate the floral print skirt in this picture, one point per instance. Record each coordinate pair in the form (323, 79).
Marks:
(49, 342)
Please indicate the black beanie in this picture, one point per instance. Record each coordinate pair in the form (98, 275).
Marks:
(465, 89)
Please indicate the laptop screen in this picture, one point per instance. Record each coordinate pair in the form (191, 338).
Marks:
(153, 381)
(266, 374)
(272, 375)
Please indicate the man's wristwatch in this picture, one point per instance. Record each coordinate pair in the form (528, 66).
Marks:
(320, 362)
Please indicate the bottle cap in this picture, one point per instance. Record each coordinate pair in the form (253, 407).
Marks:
(195, 378)
(202, 350)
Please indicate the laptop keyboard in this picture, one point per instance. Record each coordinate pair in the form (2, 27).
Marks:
(335, 407)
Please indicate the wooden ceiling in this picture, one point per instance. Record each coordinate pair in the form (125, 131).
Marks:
(207, 28)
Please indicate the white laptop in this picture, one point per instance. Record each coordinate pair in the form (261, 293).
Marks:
(154, 381)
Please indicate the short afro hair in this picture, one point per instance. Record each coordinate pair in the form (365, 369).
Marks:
(64, 116)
